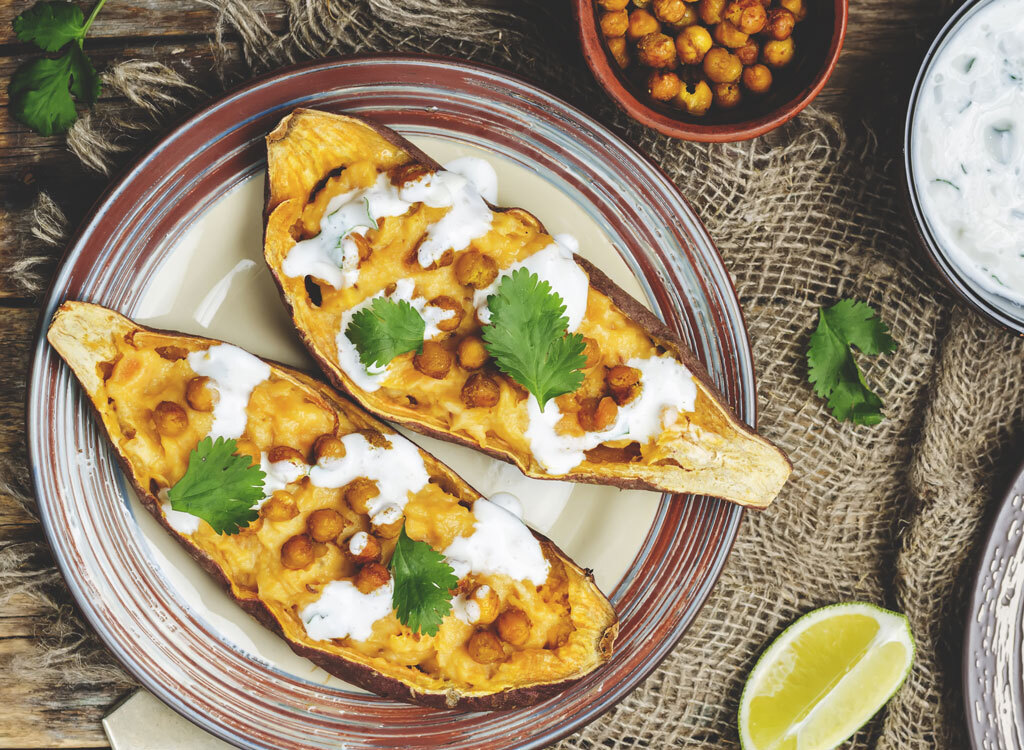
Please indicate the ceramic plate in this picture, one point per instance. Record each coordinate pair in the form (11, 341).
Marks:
(177, 243)
(993, 668)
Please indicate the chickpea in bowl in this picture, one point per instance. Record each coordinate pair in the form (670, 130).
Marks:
(701, 55)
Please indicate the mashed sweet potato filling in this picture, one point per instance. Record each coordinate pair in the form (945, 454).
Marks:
(142, 370)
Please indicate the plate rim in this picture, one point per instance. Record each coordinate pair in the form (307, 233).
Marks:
(187, 120)
(973, 641)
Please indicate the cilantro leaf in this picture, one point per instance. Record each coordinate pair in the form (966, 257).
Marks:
(832, 369)
(385, 329)
(528, 340)
(40, 97)
(219, 486)
(423, 585)
(41, 90)
(50, 25)
(85, 81)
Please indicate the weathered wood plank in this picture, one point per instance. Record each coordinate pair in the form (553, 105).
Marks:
(50, 716)
(145, 18)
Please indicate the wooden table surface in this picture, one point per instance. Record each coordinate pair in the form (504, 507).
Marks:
(885, 42)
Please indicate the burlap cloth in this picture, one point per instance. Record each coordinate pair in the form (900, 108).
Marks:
(890, 514)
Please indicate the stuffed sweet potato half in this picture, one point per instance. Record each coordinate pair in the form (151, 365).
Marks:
(435, 309)
(370, 557)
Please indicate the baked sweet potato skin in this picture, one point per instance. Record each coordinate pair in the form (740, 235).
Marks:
(77, 333)
(759, 468)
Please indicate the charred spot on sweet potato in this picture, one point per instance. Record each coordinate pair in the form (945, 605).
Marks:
(322, 182)
(172, 353)
(313, 292)
(606, 454)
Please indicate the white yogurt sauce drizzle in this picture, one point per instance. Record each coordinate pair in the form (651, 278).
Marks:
(667, 388)
(278, 475)
(398, 470)
(968, 148)
(343, 611)
(370, 379)
(555, 265)
(180, 521)
(500, 544)
(233, 374)
(463, 187)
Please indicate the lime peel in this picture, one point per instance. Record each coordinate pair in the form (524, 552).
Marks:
(824, 677)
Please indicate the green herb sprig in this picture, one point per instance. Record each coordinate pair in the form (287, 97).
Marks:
(423, 585)
(41, 90)
(832, 369)
(385, 329)
(219, 486)
(528, 337)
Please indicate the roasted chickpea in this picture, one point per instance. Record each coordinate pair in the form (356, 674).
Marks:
(778, 52)
(444, 302)
(387, 521)
(375, 438)
(641, 23)
(325, 524)
(472, 353)
(364, 547)
(486, 602)
(286, 453)
(408, 172)
(727, 95)
(748, 53)
(757, 78)
(749, 16)
(796, 7)
(199, 395)
(692, 44)
(434, 362)
(669, 11)
(656, 51)
(371, 577)
(620, 52)
(485, 648)
(280, 507)
(363, 246)
(592, 351)
(663, 85)
(328, 447)
(641, 3)
(359, 492)
(624, 383)
(597, 414)
(690, 17)
(170, 419)
(613, 4)
(728, 35)
(780, 23)
(476, 270)
(245, 447)
(721, 66)
(513, 626)
(695, 99)
(711, 11)
(297, 552)
(481, 391)
(614, 23)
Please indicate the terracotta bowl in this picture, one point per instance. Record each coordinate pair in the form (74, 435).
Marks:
(819, 39)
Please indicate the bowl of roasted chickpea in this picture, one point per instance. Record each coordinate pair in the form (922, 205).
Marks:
(712, 70)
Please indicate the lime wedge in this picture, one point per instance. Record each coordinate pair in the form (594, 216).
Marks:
(824, 677)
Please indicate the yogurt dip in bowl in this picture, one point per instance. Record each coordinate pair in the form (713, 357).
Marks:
(964, 154)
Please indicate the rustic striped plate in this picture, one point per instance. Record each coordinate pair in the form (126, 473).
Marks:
(128, 255)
